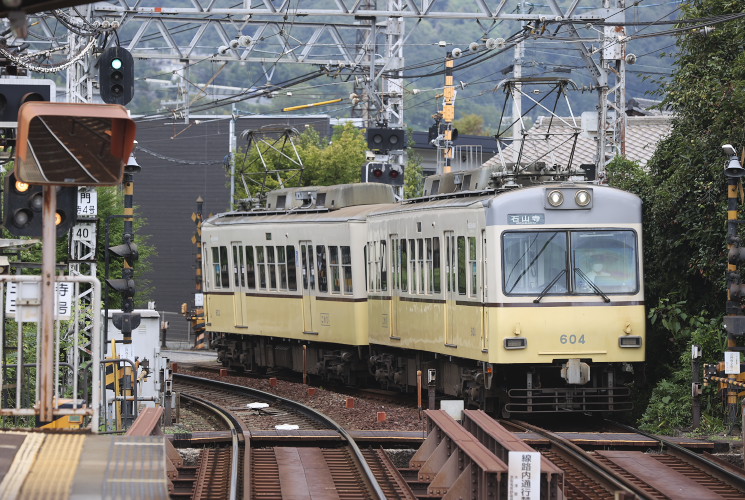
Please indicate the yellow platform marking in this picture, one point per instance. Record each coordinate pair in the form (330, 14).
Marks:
(24, 459)
(52, 474)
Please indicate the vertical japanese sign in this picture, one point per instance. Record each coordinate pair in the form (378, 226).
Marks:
(731, 363)
(87, 203)
(524, 475)
(23, 301)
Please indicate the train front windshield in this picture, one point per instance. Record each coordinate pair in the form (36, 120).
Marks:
(594, 262)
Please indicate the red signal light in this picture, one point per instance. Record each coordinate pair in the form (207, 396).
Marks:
(378, 173)
(393, 174)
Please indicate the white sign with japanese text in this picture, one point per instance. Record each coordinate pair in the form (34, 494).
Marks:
(524, 475)
(23, 301)
(87, 203)
(731, 363)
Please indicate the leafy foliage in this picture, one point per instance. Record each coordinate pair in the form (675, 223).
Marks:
(326, 162)
(670, 404)
(470, 124)
(340, 162)
(684, 194)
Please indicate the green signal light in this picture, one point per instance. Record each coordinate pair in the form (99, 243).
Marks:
(116, 63)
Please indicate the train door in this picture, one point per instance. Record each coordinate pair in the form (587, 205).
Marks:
(484, 318)
(308, 270)
(395, 267)
(451, 288)
(239, 284)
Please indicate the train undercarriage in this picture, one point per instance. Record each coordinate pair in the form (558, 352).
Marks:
(565, 386)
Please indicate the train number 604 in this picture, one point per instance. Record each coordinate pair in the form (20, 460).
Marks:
(572, 339)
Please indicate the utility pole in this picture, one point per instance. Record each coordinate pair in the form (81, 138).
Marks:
(612, 96)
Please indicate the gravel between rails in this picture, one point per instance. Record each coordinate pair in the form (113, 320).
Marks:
(363, 416)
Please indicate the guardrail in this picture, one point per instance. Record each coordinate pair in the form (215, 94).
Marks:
(501, 442)
(34, 391)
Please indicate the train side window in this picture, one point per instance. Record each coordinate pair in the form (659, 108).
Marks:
(322, 272)
(291, 271)
(436, 276)
(346, 263)
(367, 266)
(311, 268)
(304, 260)
(430, 269)
(412, 265)
(271, 268)
(404, 267)
(334, 267)
(260, 267)
(421, 288)
(250, 269)
(282, 268)
(239, 270)
(220, 267)
(382, 259)
(472, 265)
(395, 264)
(462, 265)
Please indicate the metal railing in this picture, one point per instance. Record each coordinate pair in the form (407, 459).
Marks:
(23, 377)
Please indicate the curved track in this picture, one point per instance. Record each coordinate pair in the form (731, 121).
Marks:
(217, 476)
(233, 399)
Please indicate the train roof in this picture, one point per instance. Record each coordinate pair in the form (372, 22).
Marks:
(346, 214)
(501, 200)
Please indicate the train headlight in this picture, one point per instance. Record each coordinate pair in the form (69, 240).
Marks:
(555, 198)
(583, 198)
(630, 341)
(515, 343)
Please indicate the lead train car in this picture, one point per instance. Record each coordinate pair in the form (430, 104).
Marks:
(524, 300)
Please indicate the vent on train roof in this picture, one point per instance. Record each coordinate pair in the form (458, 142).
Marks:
(331, 197)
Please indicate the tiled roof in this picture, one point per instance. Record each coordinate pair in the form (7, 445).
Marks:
(642, 135)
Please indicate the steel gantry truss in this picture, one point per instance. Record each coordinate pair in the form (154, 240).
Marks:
(360, 40)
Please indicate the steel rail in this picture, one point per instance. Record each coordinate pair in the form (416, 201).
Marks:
(725, 474)
(308, 412)
(577, 453)
(234, 425)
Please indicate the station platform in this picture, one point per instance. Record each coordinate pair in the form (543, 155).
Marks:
(76, 465)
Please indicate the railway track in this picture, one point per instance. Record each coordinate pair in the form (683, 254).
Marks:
(284, 471)
(665, 471)
(623, 463)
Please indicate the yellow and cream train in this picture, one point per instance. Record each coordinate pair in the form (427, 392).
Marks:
(522, 299)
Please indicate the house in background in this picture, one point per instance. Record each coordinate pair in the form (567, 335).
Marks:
(572, 141)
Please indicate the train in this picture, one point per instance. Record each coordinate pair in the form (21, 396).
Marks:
(514, 297)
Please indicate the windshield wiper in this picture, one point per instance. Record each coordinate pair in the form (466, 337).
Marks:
(592, 285)
(548, 287)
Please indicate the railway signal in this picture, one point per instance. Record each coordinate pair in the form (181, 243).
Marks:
(385, 173)
(127, 320)
(116, 76)
(23, 203)
(385, 139)
(16, 91)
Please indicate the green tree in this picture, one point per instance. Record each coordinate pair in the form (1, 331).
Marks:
(339, 162)
(685, 231)
(684, 194)
(470, 124)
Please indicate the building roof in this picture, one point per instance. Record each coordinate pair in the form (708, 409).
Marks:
(642, 135)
